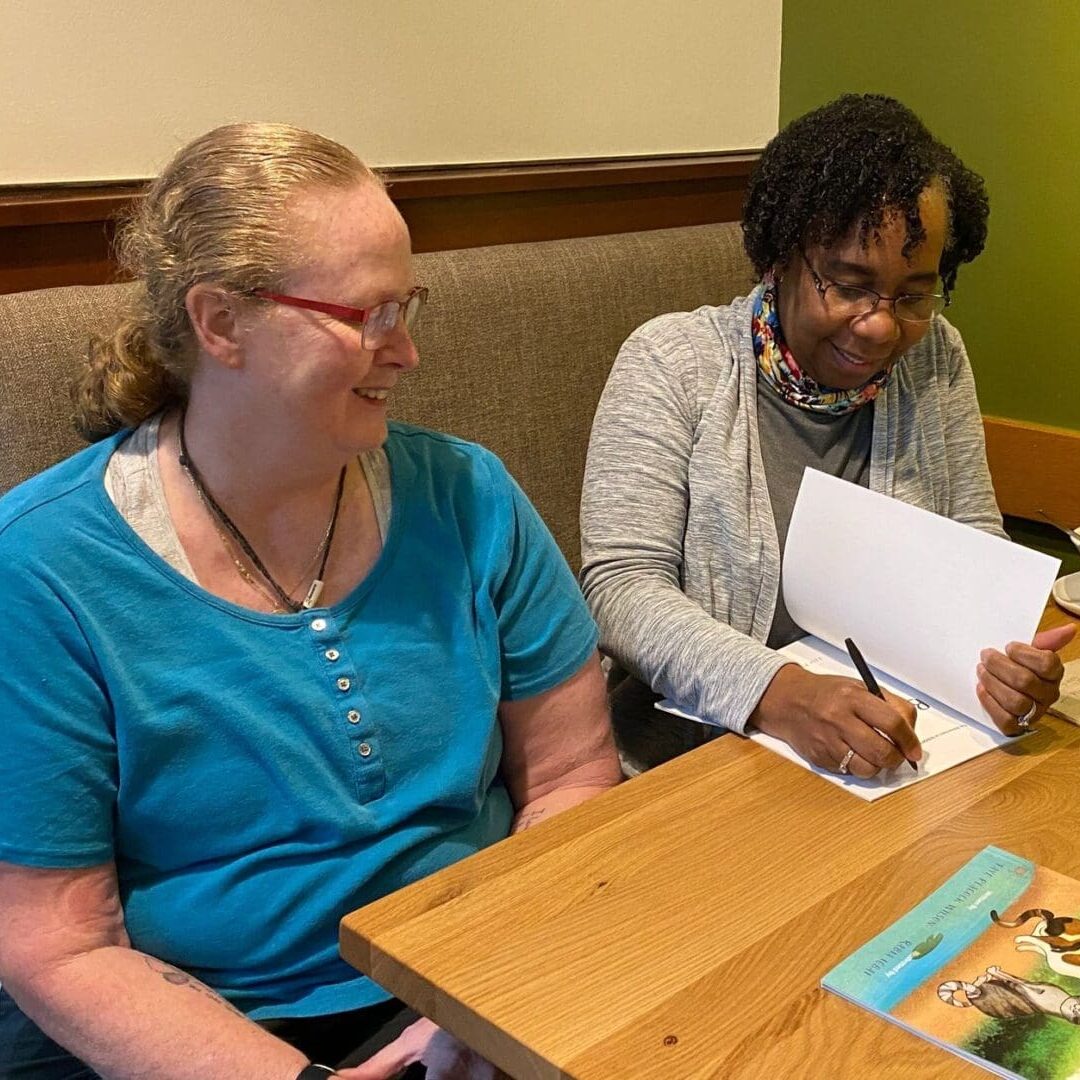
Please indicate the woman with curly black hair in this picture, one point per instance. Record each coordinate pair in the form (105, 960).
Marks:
(857, 220)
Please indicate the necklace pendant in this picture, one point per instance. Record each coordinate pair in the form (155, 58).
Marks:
(313, 595)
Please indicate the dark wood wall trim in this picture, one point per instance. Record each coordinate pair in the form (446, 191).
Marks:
(63, 234)
(63, 204)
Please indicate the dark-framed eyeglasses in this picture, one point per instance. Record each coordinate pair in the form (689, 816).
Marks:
(377, 322)
(853, 301)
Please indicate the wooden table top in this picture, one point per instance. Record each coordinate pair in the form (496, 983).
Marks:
(677, 926)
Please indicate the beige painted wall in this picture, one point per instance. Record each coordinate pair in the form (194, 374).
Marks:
(106, 89)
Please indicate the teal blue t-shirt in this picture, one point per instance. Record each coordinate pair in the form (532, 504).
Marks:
(254, 776)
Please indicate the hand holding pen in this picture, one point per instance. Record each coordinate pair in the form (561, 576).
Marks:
(832, 722)
(871, 684)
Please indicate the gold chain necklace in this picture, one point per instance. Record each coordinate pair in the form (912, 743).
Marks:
(242, 570)
(251, 580)
(281, 600)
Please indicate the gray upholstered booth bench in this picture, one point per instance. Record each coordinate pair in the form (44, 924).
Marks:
(515, 348)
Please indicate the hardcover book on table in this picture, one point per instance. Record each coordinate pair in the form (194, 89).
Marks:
(988, 967)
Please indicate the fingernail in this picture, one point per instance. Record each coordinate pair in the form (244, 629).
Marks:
(984, 655)
(980, 670)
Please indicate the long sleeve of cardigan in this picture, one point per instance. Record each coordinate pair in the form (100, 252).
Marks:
(634, 510)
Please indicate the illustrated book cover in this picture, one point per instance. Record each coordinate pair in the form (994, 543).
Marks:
(988, 967)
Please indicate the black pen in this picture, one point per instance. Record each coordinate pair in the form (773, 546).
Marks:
(868, 679)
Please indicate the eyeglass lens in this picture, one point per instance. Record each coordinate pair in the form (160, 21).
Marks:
(383, 318)
(853, 302)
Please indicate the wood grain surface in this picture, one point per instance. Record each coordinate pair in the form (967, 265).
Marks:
(677, 926)
(1034, 467)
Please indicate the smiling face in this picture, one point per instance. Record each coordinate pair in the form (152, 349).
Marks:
(308, 372)
(844, 353)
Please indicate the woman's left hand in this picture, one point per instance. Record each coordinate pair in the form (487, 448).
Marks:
(1018, 685)
(444, 1057)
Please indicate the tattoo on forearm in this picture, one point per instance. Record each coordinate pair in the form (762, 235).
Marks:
(530, 817)
(176, 977)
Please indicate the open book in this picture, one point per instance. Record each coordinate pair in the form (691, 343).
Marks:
(922, 596)
(988, 967)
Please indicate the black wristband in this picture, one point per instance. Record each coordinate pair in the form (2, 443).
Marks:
(315, 1072)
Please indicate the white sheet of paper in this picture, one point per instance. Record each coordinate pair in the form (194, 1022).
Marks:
(920, 594)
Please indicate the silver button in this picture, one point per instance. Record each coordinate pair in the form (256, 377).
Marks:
(364, 750)
(318, 624)
(331, 654)
(353, 716)
(343, 684)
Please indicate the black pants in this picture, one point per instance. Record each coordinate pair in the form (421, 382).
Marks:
(341, 1039)
(348, 1038)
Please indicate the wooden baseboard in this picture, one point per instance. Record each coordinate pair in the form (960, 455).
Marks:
(63, 234)
(1034, 467)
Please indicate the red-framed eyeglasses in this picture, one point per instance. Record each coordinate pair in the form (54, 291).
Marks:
(378, 322)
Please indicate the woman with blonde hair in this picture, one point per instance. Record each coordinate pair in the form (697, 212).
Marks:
(268, 656)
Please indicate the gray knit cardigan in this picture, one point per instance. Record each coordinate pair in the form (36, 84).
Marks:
(680, 558)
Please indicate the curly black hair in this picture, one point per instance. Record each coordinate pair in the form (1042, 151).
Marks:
(849, 164)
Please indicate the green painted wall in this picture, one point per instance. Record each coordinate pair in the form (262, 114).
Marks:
(1000, 83)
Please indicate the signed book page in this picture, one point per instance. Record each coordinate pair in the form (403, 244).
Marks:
(948, 738)
(920, 594)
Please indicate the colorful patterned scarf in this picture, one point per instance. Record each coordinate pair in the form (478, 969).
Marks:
(784, 375)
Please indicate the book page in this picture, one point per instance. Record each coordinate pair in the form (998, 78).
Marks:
(947, 737)
(920, 594)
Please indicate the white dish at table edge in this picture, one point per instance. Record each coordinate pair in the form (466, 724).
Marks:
(1066, 593)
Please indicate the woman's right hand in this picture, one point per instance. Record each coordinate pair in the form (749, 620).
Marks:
(824, 716)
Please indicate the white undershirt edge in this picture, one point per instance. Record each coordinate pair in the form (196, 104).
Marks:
(133, 483)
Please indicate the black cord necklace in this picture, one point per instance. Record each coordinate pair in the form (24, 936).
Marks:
(315, 591)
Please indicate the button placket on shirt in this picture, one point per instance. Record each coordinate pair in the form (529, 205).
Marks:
(345, 688)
